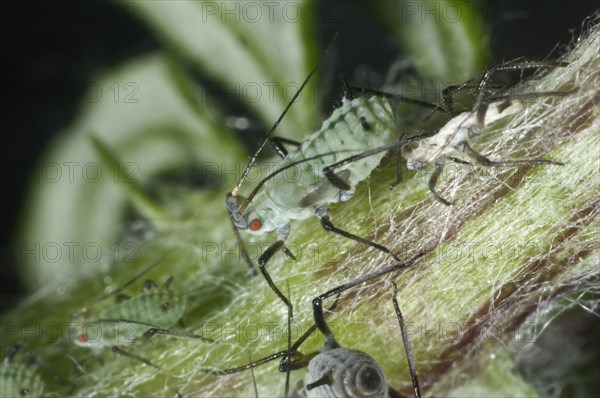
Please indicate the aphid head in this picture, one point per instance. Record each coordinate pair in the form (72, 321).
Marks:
(250, 221)
(233, 205)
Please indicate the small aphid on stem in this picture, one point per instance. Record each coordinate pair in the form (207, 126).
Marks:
(132, 319)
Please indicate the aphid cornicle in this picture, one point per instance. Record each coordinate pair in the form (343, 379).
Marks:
(155, 310)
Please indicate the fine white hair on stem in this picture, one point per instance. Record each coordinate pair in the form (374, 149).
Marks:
(516, 238)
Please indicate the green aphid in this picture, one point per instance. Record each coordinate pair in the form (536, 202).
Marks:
(155, 310)
(20, 374)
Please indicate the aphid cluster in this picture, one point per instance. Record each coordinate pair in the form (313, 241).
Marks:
(331, 162)
(364, 127)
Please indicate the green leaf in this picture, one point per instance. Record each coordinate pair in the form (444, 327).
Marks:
(232, 42)
(136, 195)
(139, 110)
(447, 40)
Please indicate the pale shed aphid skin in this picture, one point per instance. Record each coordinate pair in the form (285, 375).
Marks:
(128, 320)
(455, 135)
(337, 371)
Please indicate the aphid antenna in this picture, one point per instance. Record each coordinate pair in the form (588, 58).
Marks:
(289, 341)
(154, 330)
(253, 376)
(407, 346)
(128, 283)
(397, 97)
(77, 366)
(483, 78)
(278, 148)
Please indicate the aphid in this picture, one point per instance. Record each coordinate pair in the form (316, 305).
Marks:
(360, 123)
(20, 375)
(336, 371)
(155, 310)
(454, 136)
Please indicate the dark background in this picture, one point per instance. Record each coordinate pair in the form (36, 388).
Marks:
(51, 49)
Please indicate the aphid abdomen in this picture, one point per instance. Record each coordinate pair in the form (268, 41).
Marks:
(19, 380)
(123, 323)
(344, 131)
(350, 374)
(359, 124)
(159, 307)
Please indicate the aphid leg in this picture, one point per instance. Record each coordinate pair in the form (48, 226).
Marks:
(320, 318)
(459, 160)
(282, 140)
(510, 66)
(328, 171)
(336, 180)
(324, 213)
(525, 96)
(437, 171)
(397, 97)
(292, 358)
(238, 238)
(326, 380)
(289, 346)
(321, 322)
(295, 359)
(407, 346)
(479, 158)
(262, 261)
(398, 170)
(253, 377)
(449, 91)
(133, 356)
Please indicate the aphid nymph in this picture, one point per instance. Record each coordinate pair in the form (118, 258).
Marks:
(155, 310)
(20, 373)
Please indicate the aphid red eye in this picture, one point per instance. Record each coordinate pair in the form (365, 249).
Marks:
(82, 339)
(255, 225)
